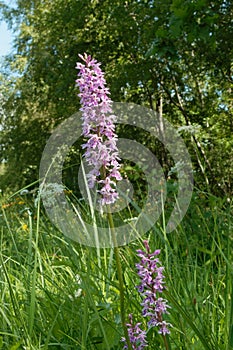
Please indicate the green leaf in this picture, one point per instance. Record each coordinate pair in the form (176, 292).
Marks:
(16, 346)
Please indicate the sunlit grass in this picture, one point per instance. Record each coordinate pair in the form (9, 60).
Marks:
(57, 294)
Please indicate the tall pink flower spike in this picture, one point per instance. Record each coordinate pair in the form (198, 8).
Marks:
(101, 151)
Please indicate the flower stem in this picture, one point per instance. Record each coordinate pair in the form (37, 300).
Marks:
(120, 279)
(166, 342)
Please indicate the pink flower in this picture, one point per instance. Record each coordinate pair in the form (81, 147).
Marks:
(101, 150)
(137, 336)
(151, 287)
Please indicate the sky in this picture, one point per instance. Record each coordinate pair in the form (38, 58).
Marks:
(6, 37)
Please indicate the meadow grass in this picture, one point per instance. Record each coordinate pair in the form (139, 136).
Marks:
(57, 294)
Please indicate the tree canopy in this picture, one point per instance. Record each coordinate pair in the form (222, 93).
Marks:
(170, 55)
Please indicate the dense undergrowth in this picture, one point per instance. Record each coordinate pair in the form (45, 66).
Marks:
(57, 294)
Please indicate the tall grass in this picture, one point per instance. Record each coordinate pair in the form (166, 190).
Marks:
(57, 294)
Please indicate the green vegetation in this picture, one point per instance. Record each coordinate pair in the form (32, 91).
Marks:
(56, 294)
(174, 57)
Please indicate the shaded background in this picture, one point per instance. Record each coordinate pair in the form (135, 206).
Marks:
(170, 56)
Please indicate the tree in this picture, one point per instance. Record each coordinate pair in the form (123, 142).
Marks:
(173, 56)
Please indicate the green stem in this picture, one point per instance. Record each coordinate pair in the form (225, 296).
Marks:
(120, 279)
(166, 342)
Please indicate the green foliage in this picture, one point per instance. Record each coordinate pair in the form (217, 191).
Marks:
(172, 56)
(57, 294)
